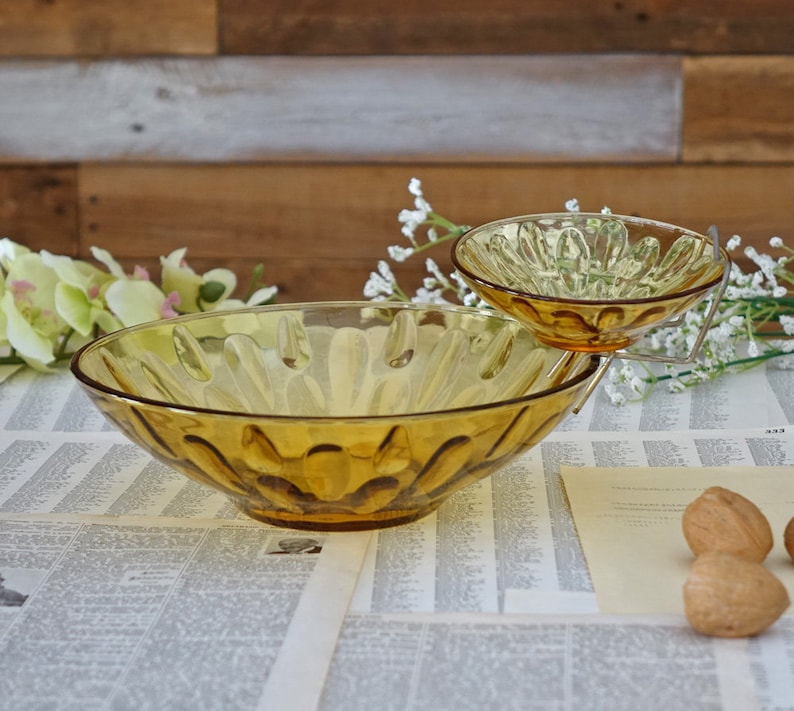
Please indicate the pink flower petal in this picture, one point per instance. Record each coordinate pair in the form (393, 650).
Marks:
(167, 307)
(20, 287)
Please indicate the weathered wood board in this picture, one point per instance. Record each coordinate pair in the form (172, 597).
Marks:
(48, 28)
(402, 109)
(739, 109)
(38, 207)
(286, 132)
(505, 26)
(320, 229)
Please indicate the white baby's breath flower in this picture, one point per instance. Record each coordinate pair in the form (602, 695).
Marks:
(616, 397)
(733, 243)
(627, 371)
(675, 386)
(749, 300)
(456, 279)
(398, 253)
(415, 187)
(638, 385)
(380, 284)
(434, 269)
(471, 299)
(429, 296)
(411, 220)
(787, 323)
(422, 206)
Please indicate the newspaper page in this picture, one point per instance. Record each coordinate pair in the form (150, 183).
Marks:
(47, 402)
(510, 532)
(97, 473)
(137, 613)
(763, 397)
(760, 397)
(152, 614)
(552, 663)
(513, 534)
(499, 552)
(6, 371)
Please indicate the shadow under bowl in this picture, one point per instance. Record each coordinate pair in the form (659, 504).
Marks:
(338, 415)
(589, 282)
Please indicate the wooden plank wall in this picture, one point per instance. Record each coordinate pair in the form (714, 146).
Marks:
(286, 132)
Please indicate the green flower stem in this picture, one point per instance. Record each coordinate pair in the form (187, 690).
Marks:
(256, 281)
(750, 362)
(399, 294)
(453, 232)
(16, 360)
(61, 353)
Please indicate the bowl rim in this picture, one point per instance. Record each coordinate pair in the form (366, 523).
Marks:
(91, 384)
(469, 275)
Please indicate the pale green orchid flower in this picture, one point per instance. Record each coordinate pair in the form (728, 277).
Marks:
(265, 295)
(33, 326)
(3, 320)
(196, 292)
(9, 251)
(217, 284)
(49, 301)
(83, 313)
(136, 301)
(78, 294)
(106, 258)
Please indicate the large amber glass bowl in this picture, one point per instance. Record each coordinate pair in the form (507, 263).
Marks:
(333, 416)
(589, 282)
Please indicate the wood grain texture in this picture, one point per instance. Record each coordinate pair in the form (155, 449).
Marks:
(504, 26)
(38, 207)
(738, 109)
(30, 28)
(320, 229)
(402, 109)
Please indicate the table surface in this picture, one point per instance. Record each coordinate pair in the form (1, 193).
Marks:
(136, 588)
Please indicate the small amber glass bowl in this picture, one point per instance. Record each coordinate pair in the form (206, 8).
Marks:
(589, 282)
(336, 415)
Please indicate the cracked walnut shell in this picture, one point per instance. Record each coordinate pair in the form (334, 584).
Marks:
(722, 520)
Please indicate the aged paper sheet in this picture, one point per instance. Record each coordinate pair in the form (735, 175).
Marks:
(629, 523)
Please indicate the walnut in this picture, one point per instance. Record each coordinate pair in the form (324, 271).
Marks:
(729, 596)
(788, 538)
(722, 520)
